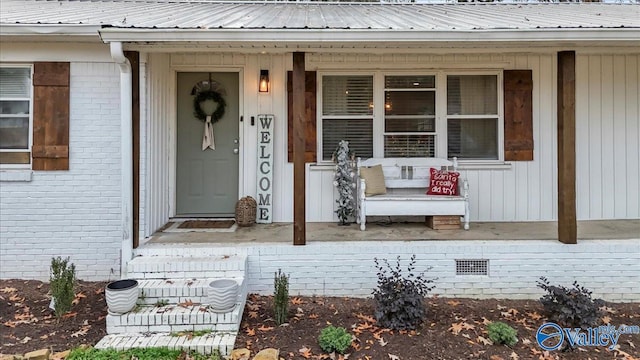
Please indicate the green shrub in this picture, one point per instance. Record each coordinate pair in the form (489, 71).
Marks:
(62, 282)
(334, 339)
(400, 299)
(501, 333)
(570, 307)
(280, 297)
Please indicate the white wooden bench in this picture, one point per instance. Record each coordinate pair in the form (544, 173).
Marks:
(407, 180)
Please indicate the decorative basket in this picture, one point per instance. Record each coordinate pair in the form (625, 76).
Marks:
(246, 211)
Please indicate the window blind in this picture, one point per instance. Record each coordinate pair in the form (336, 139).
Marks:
(347, 95)
(15, 82)
(358, 132)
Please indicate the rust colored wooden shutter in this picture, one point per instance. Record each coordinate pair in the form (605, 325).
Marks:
(50, 116)
(518, 115)
(309, 114)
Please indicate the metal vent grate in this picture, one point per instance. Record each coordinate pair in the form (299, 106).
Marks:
(472, 267)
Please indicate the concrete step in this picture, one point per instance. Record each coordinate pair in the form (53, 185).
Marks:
(175, 318)
(176, 291)
(185, 267)
(205, 344)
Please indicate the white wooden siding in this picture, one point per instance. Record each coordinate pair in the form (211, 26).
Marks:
(156, 164)
(608, 129)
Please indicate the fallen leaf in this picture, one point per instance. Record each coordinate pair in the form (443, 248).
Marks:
(382, 342)
(313, 316)
(514, 356)
(393, 357)
(69, 315)
(253, 314)
(456, 328)
(265, 328)
(7, 290)
(297, 301)
(526, 342)
(81, 332)
(187, 303)
(606, 319)
(25, 340)
(305, 352)
(496, 357)
(484, 341)
(251, 332)
(534, 315)
(253, 307)
(453, 303)
(77, 298)
(631, 344)
(366, 318)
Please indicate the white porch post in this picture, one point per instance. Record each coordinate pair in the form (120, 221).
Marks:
(126, 151)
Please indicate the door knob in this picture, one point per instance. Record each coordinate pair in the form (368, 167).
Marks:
(236, 151)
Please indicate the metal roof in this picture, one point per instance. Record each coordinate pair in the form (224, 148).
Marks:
(211, 15)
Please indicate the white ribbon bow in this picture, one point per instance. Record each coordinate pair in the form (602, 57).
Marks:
(207, 137)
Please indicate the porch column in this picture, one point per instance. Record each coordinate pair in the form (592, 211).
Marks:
(299, 218)
(567, 226)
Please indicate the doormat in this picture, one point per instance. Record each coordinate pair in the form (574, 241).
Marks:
(201, 225)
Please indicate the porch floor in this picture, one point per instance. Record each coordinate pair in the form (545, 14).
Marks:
(283, 232)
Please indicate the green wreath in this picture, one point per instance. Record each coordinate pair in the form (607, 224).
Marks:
(209, 95)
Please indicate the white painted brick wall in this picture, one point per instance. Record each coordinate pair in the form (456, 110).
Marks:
(74, 213)
(610, 268)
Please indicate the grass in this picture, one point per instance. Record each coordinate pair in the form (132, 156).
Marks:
(140, 354)
(192, 333)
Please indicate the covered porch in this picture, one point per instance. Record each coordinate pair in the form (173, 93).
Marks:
(282, 233)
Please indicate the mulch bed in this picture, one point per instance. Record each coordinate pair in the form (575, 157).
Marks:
(455, 328)
(27, 323)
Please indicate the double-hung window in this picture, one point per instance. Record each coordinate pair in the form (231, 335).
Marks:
(438, 114)
(472, 117)
(15, 116)
(347, 114)
(409, 116)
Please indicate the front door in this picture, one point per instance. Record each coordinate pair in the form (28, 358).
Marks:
(207, 180)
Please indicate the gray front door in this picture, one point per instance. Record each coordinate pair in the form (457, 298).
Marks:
(207, 180)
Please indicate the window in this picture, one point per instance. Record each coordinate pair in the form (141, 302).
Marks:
(347, 114)
(15, 115)
(412, 115)
(472, 117)
(409, 116)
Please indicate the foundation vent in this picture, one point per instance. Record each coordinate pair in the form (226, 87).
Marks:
(472, 267)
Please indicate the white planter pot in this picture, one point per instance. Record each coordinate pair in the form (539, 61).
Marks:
(222, 294)
(121, 296)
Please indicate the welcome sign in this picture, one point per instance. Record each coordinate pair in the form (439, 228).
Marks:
(265, 169)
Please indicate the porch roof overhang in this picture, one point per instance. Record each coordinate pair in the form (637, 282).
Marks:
(343, 39)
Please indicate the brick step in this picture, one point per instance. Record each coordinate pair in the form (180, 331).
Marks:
(176, 291)
(189, 249)
(168, 267)
(174, 318)
(205, 344)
